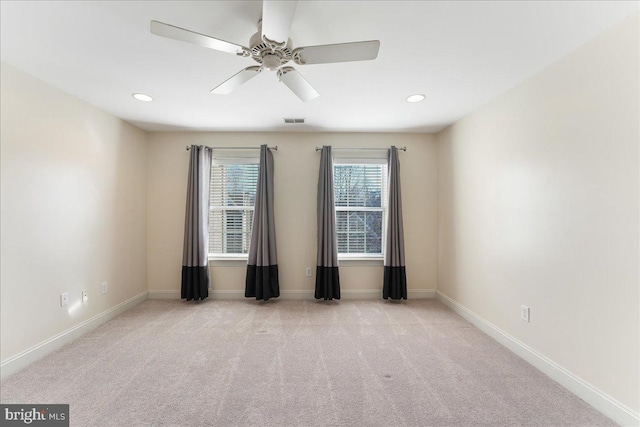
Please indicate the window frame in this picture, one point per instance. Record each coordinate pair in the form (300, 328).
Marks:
(384, 202)
(223, 161)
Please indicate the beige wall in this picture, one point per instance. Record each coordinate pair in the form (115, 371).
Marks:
(296, 175)
(531, 200)
(538, 205)
(73, 211)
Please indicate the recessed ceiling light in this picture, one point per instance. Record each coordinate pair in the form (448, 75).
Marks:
(415, 98)
(142, 97)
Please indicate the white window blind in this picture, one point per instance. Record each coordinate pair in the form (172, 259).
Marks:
(360, 202)
(232, 192)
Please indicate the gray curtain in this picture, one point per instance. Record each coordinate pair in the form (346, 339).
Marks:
(195, 269)
(262, 266)
(395, 277)
(327, 275)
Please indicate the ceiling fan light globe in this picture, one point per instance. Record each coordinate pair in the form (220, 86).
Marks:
(416, 98)
(271, 62)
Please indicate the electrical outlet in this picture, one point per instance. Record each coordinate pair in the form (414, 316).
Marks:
(308, 272)
(105, 287)
(85, 296)
(64, 299)
(524, 313)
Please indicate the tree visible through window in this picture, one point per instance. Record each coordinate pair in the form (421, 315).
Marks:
(360, 202)
(232, 192)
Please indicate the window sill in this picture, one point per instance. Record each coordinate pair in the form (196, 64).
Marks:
(360, 262)
(228, 261)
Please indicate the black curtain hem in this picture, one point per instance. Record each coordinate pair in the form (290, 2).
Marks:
(195, 283)
(327, 283)
(262, 282)
(395, 283)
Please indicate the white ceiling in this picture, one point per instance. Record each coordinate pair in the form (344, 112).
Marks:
(460, 54)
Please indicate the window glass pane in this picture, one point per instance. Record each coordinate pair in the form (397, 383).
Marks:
(215, 231)
(233, 185)
(232, 192)
(368, 240)
(357, 221)
(374, 227)
(360, 205)
(230, 231)
(341, 221)
(358, 185)
(356, 243)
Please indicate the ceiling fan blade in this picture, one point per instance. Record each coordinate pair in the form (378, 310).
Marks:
(177, 33)
(298, 84)
(276, 19)
(341, 52)
(236, 81)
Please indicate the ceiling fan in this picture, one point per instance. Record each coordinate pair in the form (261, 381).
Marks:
(271, 47)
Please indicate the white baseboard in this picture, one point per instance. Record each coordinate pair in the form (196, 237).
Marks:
(421, 293)
(162, 294)
(297, 294)
(38, 351)
(377, 294)
(604, 403)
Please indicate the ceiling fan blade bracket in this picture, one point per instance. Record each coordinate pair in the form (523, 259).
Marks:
(245, 52)
(284, 70)
(295, 55)
(274, 45)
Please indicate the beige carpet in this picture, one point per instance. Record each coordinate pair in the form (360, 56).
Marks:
(295, 363)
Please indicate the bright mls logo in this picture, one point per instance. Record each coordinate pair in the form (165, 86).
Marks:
(35, 415)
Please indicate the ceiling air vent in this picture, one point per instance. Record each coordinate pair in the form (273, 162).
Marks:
(291, 120)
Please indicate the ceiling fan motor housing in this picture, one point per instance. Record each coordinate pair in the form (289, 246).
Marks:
(271, 55)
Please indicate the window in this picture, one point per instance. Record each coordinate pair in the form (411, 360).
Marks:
(360, 202)
(232, 192)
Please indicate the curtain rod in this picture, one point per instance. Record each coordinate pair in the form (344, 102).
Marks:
(235, 148)
(362, 148)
